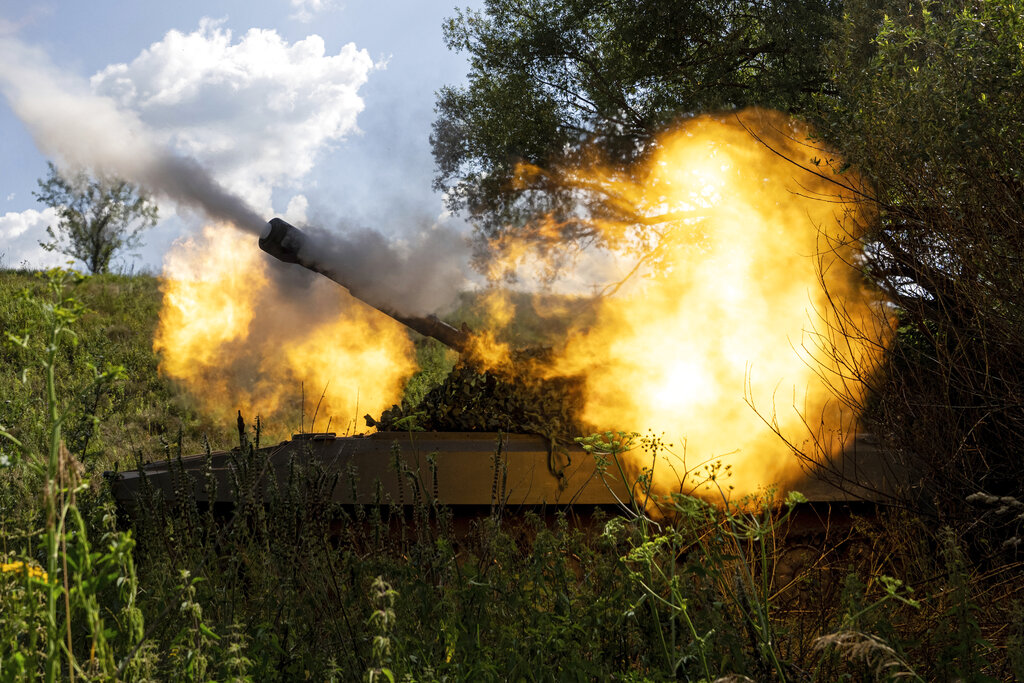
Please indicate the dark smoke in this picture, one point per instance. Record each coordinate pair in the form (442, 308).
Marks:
(416, 276)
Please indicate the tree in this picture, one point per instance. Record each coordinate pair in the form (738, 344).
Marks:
(551, 79)
(926, 103)
(98, 216)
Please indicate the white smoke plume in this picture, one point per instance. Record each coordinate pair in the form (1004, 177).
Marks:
(83, 130)
(131, 121)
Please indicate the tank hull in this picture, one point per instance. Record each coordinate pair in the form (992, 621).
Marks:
(462, 470)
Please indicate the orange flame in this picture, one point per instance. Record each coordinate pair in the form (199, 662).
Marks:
(730, 334)
(736, 323)
(235, 340)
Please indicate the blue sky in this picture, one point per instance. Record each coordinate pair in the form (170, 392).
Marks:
(316, 109)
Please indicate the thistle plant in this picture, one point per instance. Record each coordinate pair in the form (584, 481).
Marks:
(382, 621)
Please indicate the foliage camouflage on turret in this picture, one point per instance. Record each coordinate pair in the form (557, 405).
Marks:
(475, 400)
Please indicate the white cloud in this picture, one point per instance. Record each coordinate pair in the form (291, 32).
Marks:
(305, 10)
(255, 111)
(10, 197)
(297, 208)
(20, 233)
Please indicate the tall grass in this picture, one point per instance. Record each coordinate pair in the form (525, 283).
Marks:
(291, 586)
(116, 324)
(74, 574)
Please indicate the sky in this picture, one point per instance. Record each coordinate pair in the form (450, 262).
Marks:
(318, 111)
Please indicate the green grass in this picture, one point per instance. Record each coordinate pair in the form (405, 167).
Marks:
(116, 329)
(294, 587)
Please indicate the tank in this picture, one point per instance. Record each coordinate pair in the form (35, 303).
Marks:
(466, 471)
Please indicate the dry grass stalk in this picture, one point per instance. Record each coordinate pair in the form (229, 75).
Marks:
(869, 650)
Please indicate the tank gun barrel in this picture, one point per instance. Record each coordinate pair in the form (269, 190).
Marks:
(286, 243)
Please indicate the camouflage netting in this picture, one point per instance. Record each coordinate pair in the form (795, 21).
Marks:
(472, 400)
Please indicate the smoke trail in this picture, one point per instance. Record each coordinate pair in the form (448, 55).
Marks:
(415, 276)
(81, 129)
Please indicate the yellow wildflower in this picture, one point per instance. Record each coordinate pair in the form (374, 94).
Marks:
(33, 571)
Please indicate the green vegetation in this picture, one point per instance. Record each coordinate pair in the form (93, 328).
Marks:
(107, 423)
(925, 110)
(292, 586)
(923, 98)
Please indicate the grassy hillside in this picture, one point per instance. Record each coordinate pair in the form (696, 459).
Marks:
(116, 329)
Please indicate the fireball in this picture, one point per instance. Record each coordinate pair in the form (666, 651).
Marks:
(239, 337)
